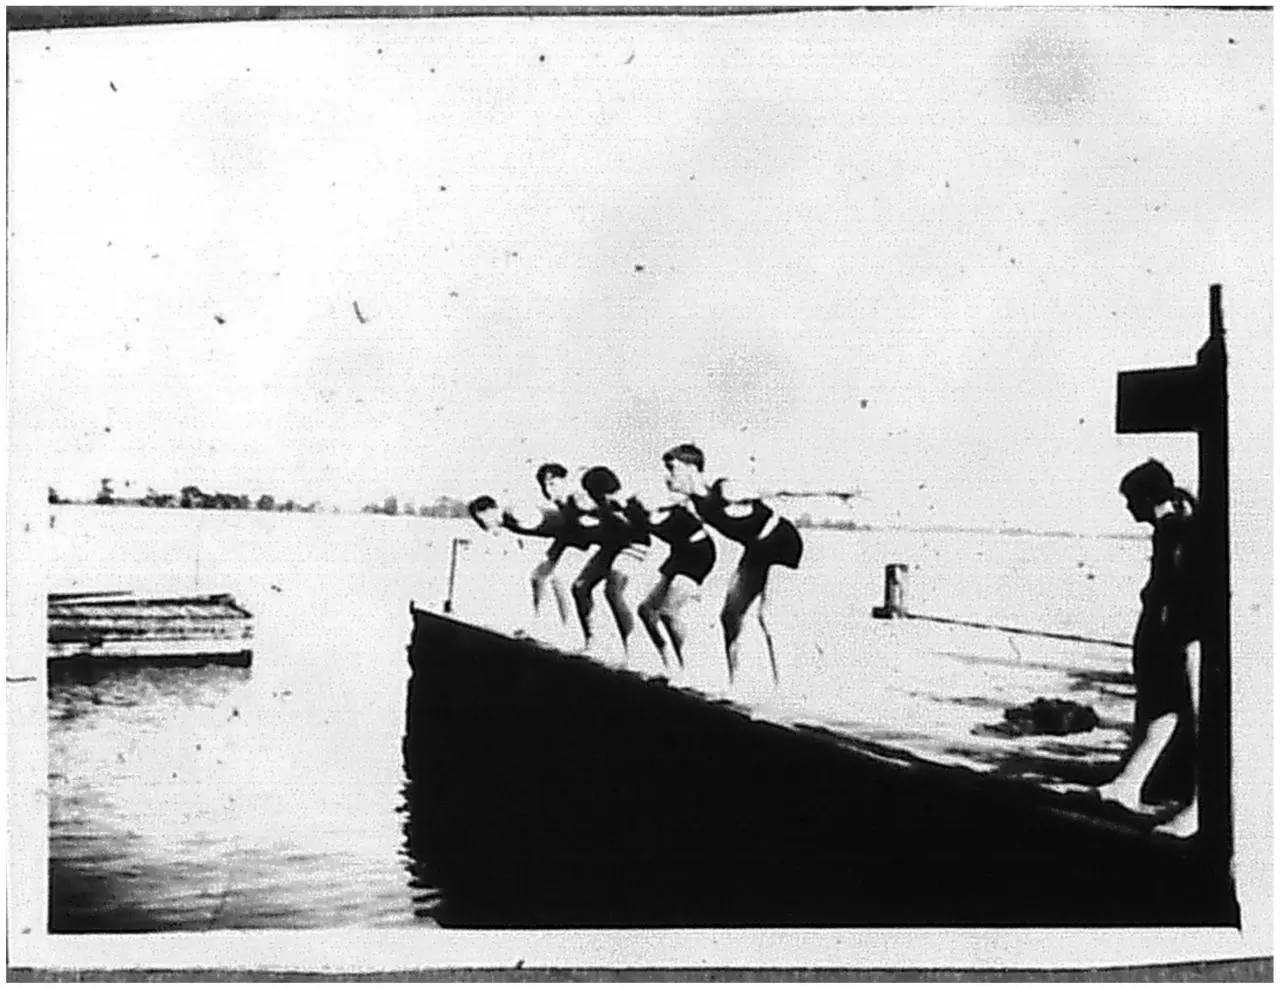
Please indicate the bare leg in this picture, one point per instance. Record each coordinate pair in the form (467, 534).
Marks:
(1126, 788)
(650, 611)
(681, 591)
(562, 599)
(746, 586)
(1187, 821)
(538, 581)
(543, 574)
(596, 570)
(615, 592)
(764, 626)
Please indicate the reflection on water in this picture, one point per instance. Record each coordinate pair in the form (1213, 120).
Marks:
(182, 799)
(427, 901)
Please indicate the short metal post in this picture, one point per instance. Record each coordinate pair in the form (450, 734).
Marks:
(895, 593)
(453, 571)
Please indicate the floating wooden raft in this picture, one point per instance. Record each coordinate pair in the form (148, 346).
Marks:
(117, 626)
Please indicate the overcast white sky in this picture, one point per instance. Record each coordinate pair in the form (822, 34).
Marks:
(906, 251)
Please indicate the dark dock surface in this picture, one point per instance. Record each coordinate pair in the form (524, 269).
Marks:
(549, 790)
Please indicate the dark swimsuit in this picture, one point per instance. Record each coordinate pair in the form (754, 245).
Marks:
(623, 526)
(782, 545)
(1171, 618)
(570, 533)
(563, 529)
(693, 553)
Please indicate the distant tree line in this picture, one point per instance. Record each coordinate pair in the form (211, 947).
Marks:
(443, 507)
(192, 496)
(188, 497)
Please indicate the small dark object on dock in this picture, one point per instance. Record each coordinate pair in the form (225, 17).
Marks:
(1046, 717)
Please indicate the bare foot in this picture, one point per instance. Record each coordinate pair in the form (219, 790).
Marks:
(1123, 793)
(1184, 824)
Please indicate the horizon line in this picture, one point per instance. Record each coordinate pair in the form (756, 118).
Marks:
(842, 525)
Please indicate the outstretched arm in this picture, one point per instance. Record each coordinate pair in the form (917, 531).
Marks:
(659, 512)
(524, 522)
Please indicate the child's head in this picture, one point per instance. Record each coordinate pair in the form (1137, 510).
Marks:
(600, 483)
(484, 511)
(1146, 486)
(685, 464)
(553, 479)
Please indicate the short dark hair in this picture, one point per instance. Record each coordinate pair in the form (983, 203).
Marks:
(600, 482)
(1150, 479)
(547, 472)
(482, 504)
(686, 453)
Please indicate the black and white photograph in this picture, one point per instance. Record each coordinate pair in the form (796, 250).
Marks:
(639, 487)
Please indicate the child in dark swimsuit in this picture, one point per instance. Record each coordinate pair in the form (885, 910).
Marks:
(1161, 761)
(560, 523)
(767, 539)
(623, 539)
(692, 557)
(568, 534)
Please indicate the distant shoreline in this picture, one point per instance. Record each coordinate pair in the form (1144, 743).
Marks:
(967, 530)
(447, 512)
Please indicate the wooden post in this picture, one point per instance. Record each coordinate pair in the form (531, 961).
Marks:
(1214, 740)
(1182, 399)
(895, 593)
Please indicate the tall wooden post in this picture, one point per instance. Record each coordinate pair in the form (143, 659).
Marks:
(1214, 740)
(1184, 399)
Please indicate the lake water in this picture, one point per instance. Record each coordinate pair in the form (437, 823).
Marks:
(272, 797)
